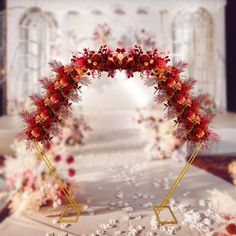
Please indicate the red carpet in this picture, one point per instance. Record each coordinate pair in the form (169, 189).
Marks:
(217, 165)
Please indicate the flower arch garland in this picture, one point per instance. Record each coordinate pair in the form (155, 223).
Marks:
(53, 106)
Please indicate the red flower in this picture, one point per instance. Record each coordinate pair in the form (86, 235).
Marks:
(190, 115)
(60, 192)
(66, 91)
(47, 125)
(69, 159)
(96, 57)
(60, 70)
(45, 114)
(56, 108)
(169, 91)
(36, 132)
(47, 146)
(199, 134)
(231, 228)
(170, 82)
(180, 98)
(79, 62)
(188, 124)
(179, 108)
(57, 158)
(71, 172)
(55, 98)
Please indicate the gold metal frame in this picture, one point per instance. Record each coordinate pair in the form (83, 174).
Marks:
(78, 207)
(157, 208)
(72, 203)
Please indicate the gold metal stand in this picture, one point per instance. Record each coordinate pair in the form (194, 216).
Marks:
(78, 207)
(72, 203)
(158, 208)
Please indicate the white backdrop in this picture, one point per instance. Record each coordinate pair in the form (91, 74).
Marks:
(60, 27)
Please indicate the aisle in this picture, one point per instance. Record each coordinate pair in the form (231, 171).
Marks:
(118, 188)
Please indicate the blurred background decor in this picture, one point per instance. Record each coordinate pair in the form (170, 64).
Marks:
(161, 137)
(31, 185)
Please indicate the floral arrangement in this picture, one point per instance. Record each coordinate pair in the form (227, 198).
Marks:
(164, 139)
(73, 133)
(142, 38)
(208, 104)
(54, 106)
(102, 34)
(32, 186)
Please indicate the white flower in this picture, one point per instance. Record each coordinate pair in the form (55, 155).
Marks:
(118, 233)
(207, 221)
(202, 202)
(150, 234)
(112, 222)
(126, 218)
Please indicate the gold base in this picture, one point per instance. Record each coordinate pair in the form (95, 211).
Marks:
(157, 209)
(77, 208)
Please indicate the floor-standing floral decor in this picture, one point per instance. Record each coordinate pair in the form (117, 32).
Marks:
(161, 137)
(32, 186)
(53, 107)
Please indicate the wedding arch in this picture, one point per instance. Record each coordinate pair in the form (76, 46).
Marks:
(43, 122)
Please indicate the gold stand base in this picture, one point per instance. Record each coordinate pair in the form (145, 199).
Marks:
(157, 210)
(77, 208)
